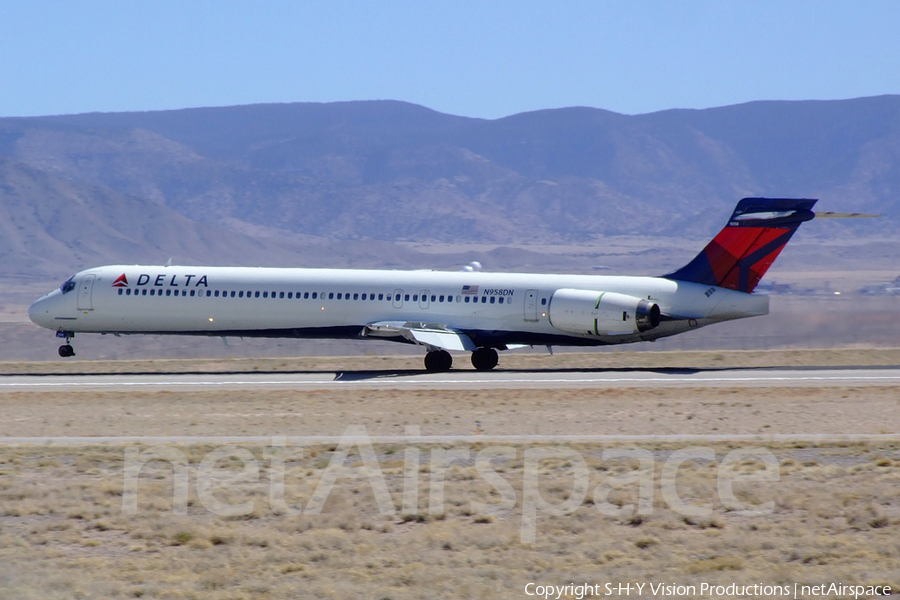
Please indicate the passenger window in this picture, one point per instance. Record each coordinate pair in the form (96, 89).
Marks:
(405, 298)
(381, 296)
(347, 296)
(331, 295)
(256, 294)
(415, 297)
(492, 299)
(433, 297)
(208, 293)
(281, 294)
(241, 294)
(306, 295)
(291, 295)
(152, 292)
(265, 294)
(442, 298)
(232, 294)
(272, 295)
(314, 295)
(483, 299)
(543, 302)
(467, 298)
(120, 291)
(356, 296)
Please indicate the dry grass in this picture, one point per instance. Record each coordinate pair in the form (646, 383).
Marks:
(63, 533)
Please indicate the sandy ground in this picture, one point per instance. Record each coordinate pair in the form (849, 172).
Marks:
(625, 411)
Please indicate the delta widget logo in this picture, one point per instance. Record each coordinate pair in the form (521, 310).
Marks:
(121, 281)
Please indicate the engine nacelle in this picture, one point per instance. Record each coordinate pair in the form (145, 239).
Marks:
(587, 312)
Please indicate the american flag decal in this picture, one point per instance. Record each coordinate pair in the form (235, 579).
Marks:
(470, 290)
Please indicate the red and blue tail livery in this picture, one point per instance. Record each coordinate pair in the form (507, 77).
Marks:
(740, 254)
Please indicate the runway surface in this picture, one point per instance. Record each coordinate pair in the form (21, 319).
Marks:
(465, 379)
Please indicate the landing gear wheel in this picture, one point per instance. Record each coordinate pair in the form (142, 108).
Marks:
(438, 360)
(66, 351)
(484, 359)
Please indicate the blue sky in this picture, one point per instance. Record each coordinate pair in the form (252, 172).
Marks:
(480, 59)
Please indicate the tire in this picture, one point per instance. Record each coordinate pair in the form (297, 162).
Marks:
(484, 359)
(66, 351)
(439, 360)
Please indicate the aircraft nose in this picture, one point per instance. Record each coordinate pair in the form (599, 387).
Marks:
(39, 313)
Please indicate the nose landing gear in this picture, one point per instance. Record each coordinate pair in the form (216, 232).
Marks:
(66, 350)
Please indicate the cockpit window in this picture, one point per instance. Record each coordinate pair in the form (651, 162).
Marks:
(68, 285)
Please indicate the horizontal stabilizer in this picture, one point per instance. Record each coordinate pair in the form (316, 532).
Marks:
(839, 215)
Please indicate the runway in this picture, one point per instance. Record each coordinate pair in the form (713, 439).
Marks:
(464, 379)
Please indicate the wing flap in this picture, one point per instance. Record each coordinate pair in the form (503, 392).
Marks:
(425, 334)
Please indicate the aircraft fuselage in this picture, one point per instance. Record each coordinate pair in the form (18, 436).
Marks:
(493, 309)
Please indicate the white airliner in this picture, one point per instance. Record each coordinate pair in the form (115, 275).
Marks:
(477, 312)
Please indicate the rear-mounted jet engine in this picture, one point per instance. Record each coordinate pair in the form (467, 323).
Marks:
(587, 312)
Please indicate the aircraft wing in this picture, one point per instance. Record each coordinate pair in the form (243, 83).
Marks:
(432, 335)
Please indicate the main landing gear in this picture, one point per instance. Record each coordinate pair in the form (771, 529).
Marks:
(66, 350)
(438, 360)
(484, 359)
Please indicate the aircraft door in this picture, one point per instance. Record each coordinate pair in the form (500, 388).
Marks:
(85, 291)
(423, 298)
(398, 299)
(531, 305)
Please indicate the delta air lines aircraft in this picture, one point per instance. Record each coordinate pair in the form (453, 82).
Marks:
(476, 312)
